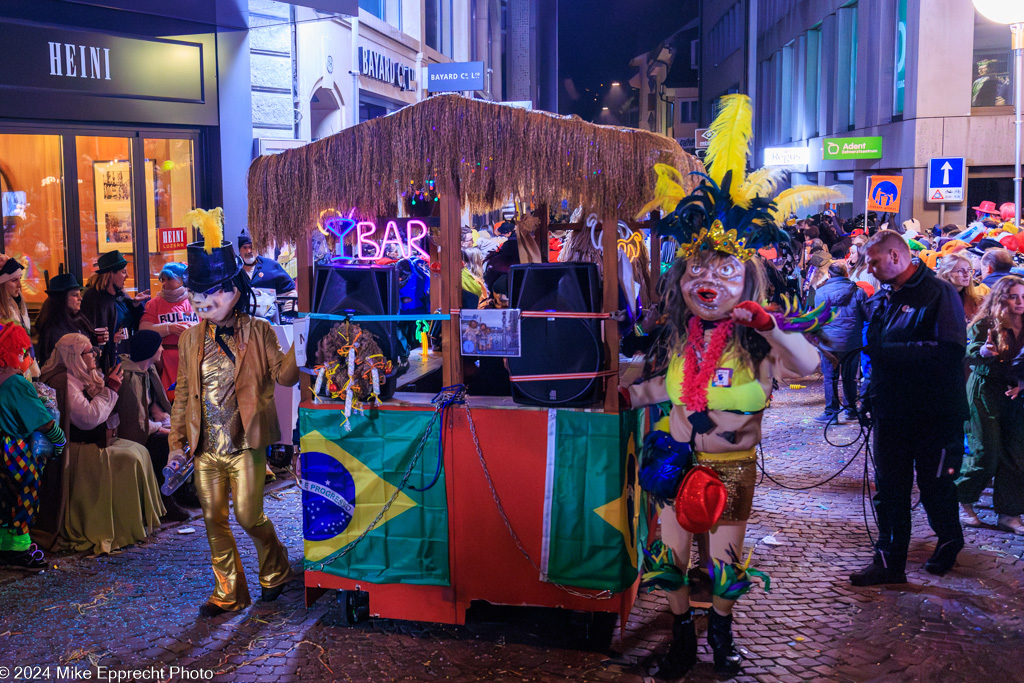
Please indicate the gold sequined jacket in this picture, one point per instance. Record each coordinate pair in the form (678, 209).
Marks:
(260, 363)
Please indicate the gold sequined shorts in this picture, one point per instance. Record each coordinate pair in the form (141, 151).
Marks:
(738, 471)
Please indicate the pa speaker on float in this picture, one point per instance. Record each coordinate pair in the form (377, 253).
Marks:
(557, 345)
(357, 290)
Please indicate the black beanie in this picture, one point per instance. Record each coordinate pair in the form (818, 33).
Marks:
(143, 345)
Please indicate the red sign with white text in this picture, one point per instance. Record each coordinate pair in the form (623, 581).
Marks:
(169, 239)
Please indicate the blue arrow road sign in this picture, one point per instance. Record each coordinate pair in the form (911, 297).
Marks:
(946, 178)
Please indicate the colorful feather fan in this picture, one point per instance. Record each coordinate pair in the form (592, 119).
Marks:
(730, 211)
(792, 319)
(210, 223)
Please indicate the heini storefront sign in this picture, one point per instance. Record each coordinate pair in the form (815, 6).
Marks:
(787, 156)
(382, 68)
(852, 148)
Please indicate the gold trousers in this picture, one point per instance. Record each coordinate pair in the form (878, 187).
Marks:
(243, 474)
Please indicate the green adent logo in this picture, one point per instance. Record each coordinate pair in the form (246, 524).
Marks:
(852, 148)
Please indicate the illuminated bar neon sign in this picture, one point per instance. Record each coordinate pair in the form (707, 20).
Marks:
(369, 249)
(363, 243)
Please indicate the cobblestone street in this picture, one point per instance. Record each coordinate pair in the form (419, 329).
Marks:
(138, 608)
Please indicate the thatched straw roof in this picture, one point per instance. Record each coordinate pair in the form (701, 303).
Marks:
(493, 151)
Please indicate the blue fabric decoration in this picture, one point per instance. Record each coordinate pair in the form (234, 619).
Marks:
(664, 463)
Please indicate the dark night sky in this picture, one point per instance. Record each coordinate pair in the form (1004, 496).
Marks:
(596, 40)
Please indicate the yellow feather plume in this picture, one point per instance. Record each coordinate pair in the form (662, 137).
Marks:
(729, 148)
(761, 183)
(790, 200)
(210, 223)
(668, 191)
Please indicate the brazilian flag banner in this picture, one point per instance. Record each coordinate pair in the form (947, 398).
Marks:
(592, 499)
(347, 479)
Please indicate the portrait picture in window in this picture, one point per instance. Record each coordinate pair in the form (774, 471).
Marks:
(992, 85)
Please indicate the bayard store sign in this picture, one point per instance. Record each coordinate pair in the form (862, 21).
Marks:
(382, 68)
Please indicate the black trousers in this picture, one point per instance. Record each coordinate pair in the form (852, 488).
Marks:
(935, 452)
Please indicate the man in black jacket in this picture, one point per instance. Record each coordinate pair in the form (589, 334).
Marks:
(916, 340)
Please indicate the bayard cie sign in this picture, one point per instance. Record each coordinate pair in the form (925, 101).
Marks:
(382, 68)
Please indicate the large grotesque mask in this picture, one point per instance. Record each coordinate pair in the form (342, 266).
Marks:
(215, 306)
(713, 284)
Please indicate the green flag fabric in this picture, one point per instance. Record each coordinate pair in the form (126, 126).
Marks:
(592, 499)
(347, 479)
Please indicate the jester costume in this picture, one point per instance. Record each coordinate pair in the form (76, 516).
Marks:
(22, 412)
(727, 350)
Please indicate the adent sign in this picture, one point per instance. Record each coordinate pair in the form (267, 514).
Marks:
(455, 76)
(852, 148)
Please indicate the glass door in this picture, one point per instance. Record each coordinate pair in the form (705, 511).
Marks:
(170, 193)
(32, 207)
(106, 202)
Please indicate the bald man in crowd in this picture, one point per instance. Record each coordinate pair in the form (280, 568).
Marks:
(916, 340)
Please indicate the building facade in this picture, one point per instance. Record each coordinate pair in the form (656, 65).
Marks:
(315, 73)
(932, 80)
(667, 79)
(114, 122)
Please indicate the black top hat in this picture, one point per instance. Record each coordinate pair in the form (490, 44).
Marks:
(65, 282)
(111, 261)
(206, 271)
(244, 239)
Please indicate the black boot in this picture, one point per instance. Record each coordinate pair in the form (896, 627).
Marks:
(727, 660)
(682, 653)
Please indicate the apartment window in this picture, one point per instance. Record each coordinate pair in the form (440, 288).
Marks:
(853, 68)
(438, 18)
(786, 94)
(374, 7)
(694, 54)
(725, 36)
(811, 81)
(993, 59)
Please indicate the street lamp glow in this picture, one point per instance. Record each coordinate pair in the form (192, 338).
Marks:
(604, 108)
(615, 84)
(1001, 11)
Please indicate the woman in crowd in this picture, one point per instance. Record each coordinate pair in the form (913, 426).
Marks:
(12, 304)
(840, 341)
(143, 409)
(108, 308)
(957, 270)
(995, 432)
(169, 313)
(61, 314)
(857, 263)
(114, 498)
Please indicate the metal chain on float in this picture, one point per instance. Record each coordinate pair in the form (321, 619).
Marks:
(602, 595)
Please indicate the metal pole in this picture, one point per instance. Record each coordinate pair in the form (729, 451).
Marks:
(1018, 51)
(942, 215)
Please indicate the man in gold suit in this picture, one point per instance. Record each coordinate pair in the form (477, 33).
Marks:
(224, 413)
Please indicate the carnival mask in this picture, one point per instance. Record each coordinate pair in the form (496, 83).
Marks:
(712, 285)
(215, 307)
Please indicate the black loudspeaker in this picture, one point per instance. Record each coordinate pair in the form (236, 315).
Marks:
(557, 345)
(359, 290)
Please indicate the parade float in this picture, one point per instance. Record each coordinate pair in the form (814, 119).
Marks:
(429, 500)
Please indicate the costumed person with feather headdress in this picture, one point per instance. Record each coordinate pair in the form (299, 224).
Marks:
(700, 462)
(224, 413)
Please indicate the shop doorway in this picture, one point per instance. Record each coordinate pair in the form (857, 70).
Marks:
(67, 197)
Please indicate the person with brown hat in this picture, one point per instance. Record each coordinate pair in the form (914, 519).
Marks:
(61, 314)
(113, 314)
